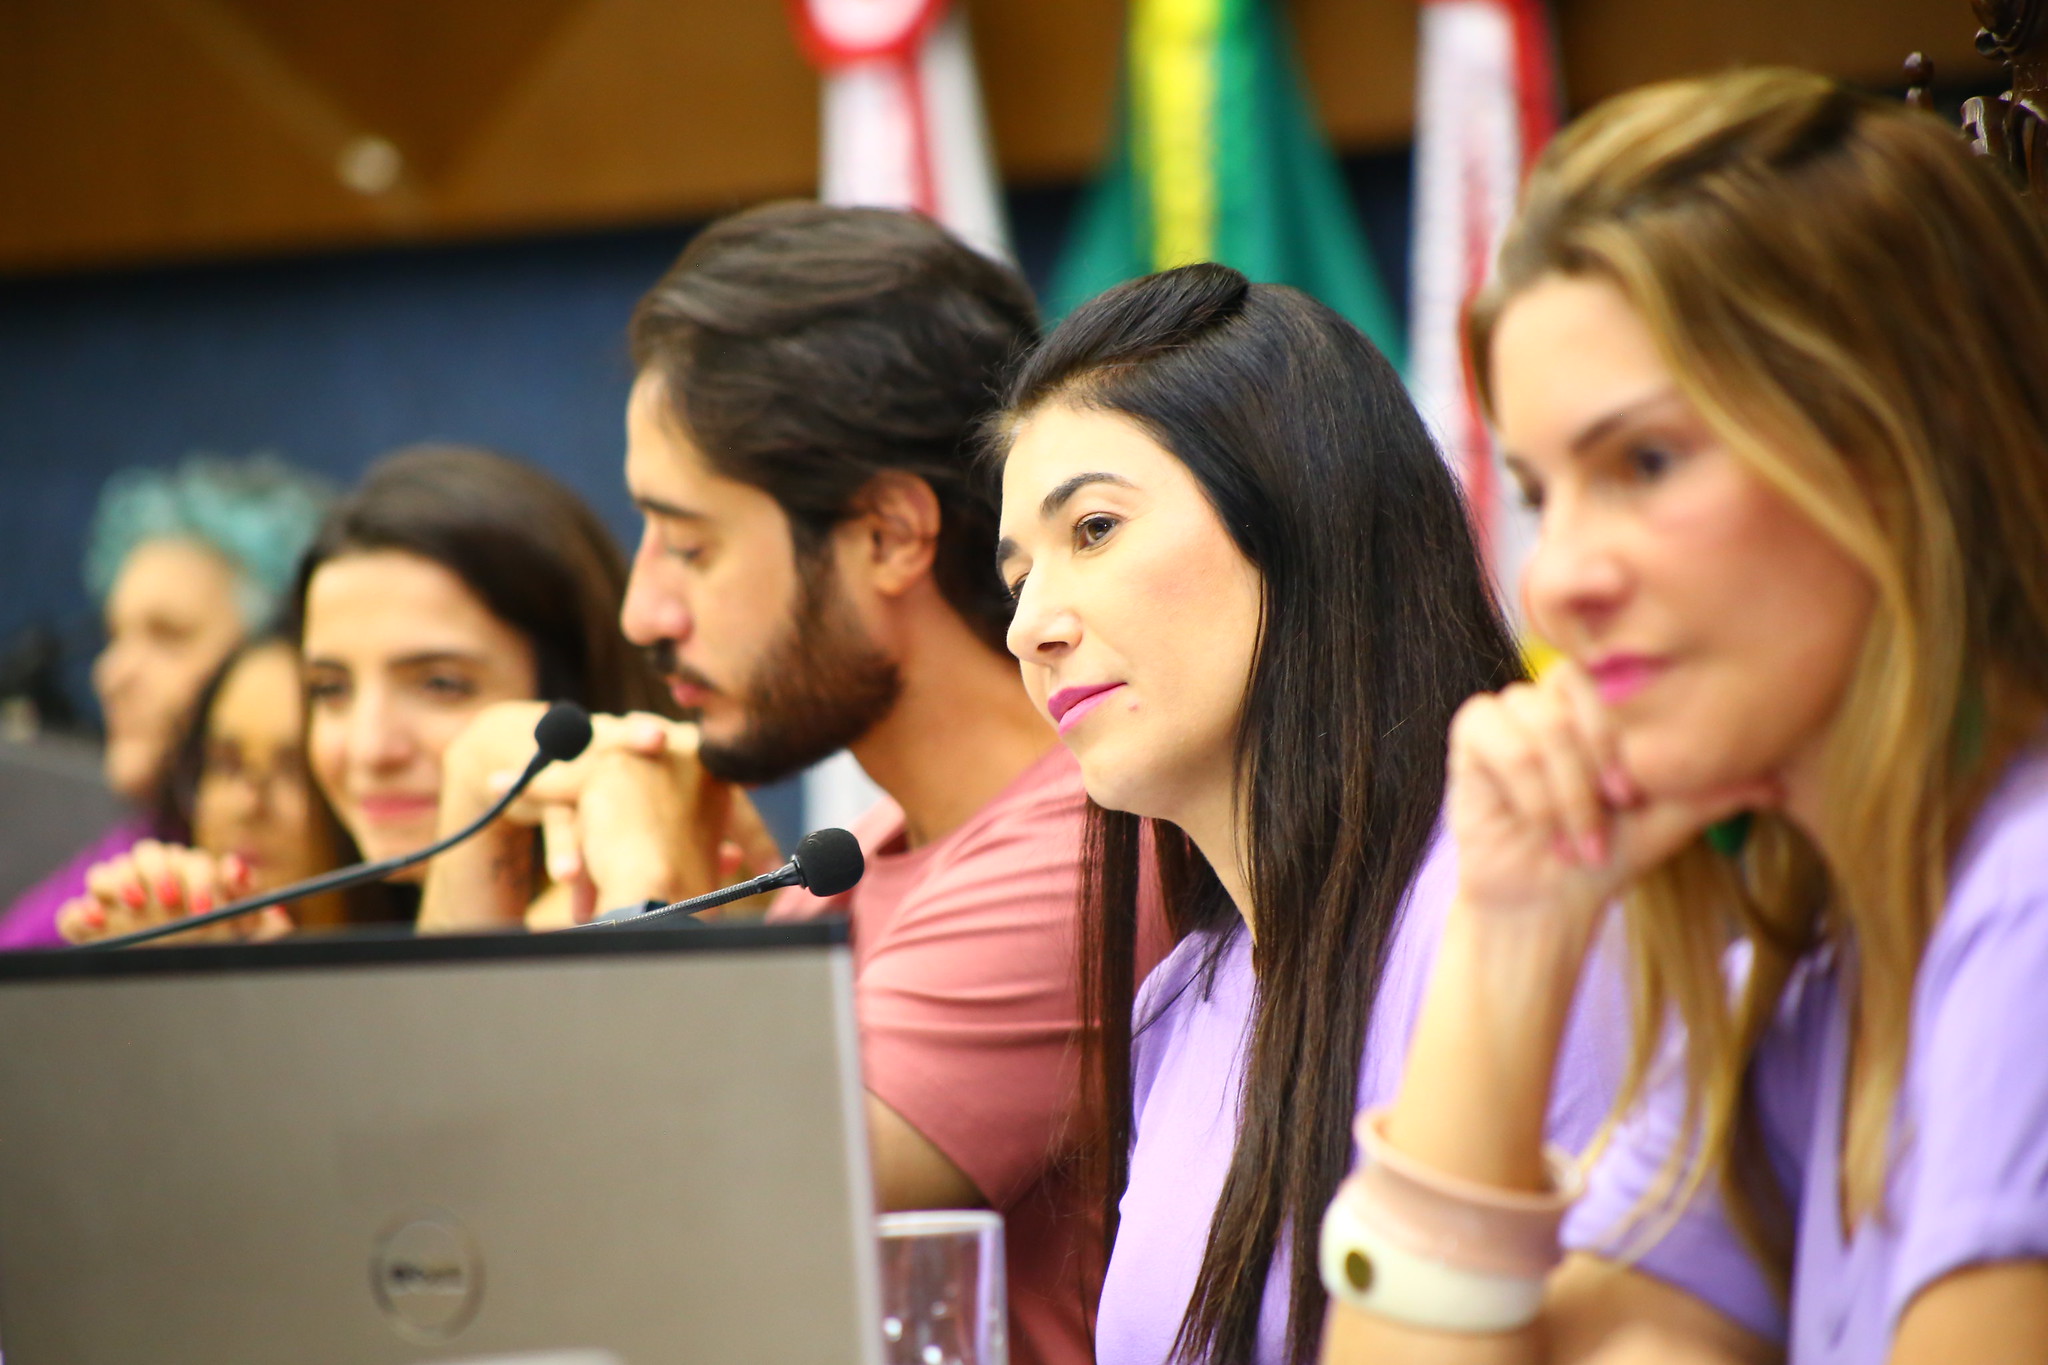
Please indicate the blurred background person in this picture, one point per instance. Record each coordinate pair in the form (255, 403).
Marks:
(241, 781)
(186, 563)
(450, 579)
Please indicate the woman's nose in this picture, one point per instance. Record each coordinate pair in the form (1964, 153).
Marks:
(1041, 629)
(378, 734)
(112, 669)
(247, 798)
(1576, 576)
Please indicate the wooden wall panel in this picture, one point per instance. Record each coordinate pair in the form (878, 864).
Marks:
(1610, 45)
(1049, 76)
(1360, 58)
(151, 129)
(137, 130)
(645, 109)
(120, 140)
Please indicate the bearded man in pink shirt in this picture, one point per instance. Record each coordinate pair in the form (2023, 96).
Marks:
(815, 573)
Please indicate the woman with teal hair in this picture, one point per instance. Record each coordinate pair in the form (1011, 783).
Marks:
(186, 563)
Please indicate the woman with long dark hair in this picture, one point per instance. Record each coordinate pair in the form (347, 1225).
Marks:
(1248, 597)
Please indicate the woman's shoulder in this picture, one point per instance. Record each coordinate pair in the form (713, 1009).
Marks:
(1405, 976)
(30, 920)
(1191, 974)
(1995, 920)
(1195, 1002)
(2002, 866)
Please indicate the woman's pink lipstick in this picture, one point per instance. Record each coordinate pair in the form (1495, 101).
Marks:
(1620, 676)
(1070, 704)
(396, 809)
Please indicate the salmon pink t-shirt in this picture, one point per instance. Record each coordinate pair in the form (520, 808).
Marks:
(964, 957)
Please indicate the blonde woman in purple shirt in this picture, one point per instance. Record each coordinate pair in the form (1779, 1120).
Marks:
(1247, 597)
(1771, 358)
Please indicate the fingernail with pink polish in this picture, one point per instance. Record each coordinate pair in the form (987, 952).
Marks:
(134, 896)
(168, 891)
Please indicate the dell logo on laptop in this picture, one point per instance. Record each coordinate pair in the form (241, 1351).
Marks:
(427, 1275)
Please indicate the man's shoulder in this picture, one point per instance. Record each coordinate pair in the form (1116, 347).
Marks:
(1018, 858)
(1023, 848)
(1043, 809)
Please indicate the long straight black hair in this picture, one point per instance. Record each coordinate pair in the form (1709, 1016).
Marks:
(1377, 621)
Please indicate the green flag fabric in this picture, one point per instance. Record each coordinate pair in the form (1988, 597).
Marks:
(1218, 157)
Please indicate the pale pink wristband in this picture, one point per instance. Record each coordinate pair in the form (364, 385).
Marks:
(1458, 1222)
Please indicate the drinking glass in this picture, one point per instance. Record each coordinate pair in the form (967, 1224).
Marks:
(943, 1299)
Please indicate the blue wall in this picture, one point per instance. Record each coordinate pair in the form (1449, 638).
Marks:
(332, 360)
(328, 361)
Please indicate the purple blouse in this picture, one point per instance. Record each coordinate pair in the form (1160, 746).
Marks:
(1968, 1180)
(31, 922)
(1188, 1060)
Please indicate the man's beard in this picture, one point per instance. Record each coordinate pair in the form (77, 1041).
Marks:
(819, 688)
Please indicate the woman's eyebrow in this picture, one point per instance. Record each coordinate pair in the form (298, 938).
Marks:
(429, 658)
(1602, 426)
(1053, 501)
(1057, 499)
(419, 658)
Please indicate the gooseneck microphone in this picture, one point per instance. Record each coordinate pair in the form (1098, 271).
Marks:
(562, 734)
(826, 863)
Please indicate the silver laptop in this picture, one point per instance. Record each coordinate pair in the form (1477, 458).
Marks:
(638, 1147)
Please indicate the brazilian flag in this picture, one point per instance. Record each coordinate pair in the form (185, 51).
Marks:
(1218, 157)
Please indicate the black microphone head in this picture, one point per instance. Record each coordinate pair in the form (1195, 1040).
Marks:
(829, 861)
(563, 733)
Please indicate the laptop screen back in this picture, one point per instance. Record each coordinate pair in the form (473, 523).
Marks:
(647, 1143)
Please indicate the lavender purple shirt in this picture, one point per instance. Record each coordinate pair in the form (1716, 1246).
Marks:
(31, 922)
(1969, 1178)
(1188, 1059)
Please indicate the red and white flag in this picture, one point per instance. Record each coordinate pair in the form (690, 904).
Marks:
(1486, 100)
(903, 119)
(903, 129)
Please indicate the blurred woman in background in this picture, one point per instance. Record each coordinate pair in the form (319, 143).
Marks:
(186, 564)
(450, 579)
(453, 578)
(257, 823)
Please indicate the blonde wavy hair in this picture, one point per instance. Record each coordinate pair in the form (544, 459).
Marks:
(1858, 307)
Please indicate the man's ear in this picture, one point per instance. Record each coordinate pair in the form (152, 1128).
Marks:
(898, 526)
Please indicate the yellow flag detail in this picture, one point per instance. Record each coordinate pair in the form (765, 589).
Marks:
(1173, 81)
